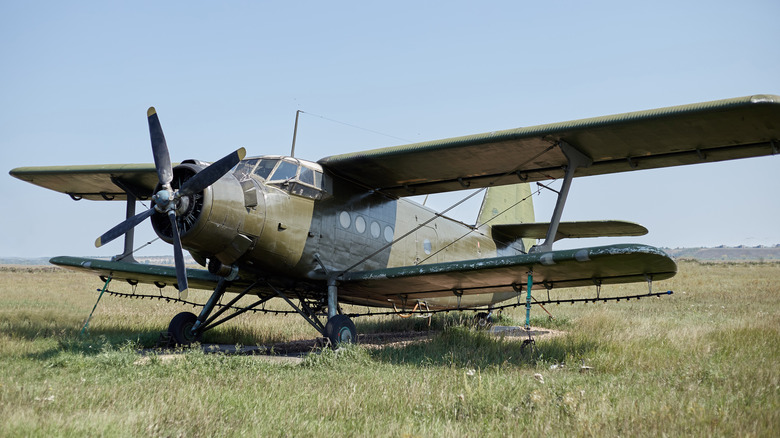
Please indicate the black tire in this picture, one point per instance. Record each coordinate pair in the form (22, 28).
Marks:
(483, 321)
(180, 328)
(340, 330)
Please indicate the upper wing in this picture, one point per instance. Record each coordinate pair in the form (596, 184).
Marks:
(627, 263)
(688, 134)
(98, 182)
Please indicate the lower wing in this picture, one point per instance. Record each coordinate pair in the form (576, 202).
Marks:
(443, 284)
(613, 264)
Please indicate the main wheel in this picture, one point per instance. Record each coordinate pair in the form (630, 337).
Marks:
(181, 328)
(340, 330)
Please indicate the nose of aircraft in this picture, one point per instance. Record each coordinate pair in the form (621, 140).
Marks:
(166, 199)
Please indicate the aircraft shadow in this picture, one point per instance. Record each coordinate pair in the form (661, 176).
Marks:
(470, 348)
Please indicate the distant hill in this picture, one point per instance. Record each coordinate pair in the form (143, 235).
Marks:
(149, 260)
(727, 253)
(24, 261)
(720, 253)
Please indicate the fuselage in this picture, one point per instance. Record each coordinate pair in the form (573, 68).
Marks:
(290, 218)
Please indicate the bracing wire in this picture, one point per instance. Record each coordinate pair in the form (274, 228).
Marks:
(436, 215)
(356, 127)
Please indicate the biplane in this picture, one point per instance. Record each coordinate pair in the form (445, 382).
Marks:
(342, 229)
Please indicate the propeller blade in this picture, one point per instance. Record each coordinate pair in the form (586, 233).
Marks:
(162, 160)
(178, 256)
(211, 174)
(123, 227)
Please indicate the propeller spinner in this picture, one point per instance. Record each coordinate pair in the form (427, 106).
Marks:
(167, 200)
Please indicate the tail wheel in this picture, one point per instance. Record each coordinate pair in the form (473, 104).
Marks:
(483, 320)
(340, 330)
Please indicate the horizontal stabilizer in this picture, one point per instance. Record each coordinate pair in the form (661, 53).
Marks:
(569, 230)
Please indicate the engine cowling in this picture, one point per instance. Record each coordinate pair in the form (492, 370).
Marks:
(222, 222)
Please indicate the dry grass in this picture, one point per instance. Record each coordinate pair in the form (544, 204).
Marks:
(703, 362)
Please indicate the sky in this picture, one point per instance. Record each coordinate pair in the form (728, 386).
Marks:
(76, 81)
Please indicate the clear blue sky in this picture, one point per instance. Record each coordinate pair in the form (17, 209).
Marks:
(76, 80)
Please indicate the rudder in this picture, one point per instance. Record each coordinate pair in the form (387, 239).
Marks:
(510, 204)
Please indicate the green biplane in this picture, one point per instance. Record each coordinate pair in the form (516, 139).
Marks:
(340, 230)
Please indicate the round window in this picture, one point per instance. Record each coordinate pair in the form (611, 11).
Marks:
(375, 230)
(344, 219)
(360, 224)
(389, 233)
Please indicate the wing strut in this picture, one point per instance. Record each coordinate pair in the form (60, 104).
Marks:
(575, 159)
(528, 288)
(127, 254)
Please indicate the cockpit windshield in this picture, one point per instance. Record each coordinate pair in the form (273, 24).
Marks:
(284, 171)
(298, 177)
(265, 167)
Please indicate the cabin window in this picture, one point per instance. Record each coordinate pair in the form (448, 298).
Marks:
(389, 234)
(360, 224)
(344, 219)
(427, 246)
(376, 230)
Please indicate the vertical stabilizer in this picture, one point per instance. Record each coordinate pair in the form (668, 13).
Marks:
(508, 205)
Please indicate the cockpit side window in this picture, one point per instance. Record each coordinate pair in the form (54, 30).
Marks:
(265, 167)
(306, 176)
(318, 180)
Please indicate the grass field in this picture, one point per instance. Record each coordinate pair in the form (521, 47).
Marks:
(703, 362)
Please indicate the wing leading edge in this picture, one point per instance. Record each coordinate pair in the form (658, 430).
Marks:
(688, 134)
(136, 272)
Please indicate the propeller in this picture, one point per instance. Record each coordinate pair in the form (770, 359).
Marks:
(166, 200)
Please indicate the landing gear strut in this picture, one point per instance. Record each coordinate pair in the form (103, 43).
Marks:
(186, 328)
(339, 328)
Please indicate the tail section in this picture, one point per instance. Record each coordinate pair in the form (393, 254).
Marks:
(508, 205)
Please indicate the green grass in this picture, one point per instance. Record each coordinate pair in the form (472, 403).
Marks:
(703, 362)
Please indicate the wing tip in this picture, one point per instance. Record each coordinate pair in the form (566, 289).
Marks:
(764, 98)
(151, 111)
